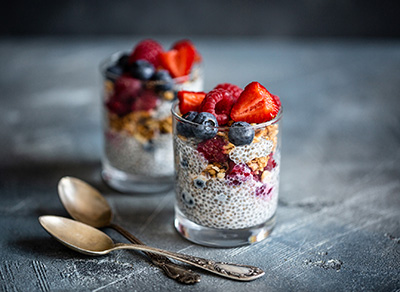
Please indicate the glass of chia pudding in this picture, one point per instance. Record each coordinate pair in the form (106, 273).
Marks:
(227, 161)
(139, 89)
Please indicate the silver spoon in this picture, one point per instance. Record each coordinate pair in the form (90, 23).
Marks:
(88, 240)
(85, 204)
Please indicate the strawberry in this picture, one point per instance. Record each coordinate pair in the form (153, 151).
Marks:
(190, 101)
(179, 61)
(146, 50)
(184, 43)
(255, 105)
(277, 100)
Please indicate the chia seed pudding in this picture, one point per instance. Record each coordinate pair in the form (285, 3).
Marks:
(227, 161)
(139, 89)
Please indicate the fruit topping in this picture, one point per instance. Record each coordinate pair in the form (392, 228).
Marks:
(241, 133)
(218, 102)
(238, 173)
(118, 107)
(118, 68)
(232, 88)
(207, 126)
(178, 61)
(271, 164)
(148, 50)
(162, 80)
(126, 88)
(255, 105)
(213, 149)
(263, 191)
(141, 69)
(190, 101)
(147, 100)
(184, 43)
(277, 100)
(184, 128)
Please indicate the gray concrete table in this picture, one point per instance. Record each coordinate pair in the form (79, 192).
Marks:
(338, 222)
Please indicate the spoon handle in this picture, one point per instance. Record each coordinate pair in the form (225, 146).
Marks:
(228, 270)
(175, 271)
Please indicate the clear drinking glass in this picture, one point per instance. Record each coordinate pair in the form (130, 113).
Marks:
(232, 202)
(138, 151)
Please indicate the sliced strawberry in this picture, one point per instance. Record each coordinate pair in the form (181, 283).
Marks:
(277, 99)
(146, 50)
(218, 102)
(255, 105)
(190, 101)
(178, 62)
(184, 43)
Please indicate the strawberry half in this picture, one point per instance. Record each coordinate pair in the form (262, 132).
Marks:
(178, 62)
(255, 105)
(277, 99)
(190, 101)
(185, 43)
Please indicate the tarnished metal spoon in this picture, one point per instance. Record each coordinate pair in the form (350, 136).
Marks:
(85, 204)
(88, 240)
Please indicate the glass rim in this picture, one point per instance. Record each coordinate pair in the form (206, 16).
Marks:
(225, 128)
(115, 56)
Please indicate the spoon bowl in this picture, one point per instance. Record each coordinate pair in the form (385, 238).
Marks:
(85, 204)
(88, 240)
(78, 236)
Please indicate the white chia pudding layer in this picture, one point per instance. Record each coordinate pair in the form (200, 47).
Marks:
(218, 202)
(127, 154)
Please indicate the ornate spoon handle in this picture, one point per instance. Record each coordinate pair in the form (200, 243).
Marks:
(172, 270)
(228, 270)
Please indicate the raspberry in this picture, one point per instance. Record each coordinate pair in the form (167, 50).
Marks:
(118, 107)
(238, 173)
(213, 150)
(218, 102)
(147, 50)
(271, 164)
(146, 101)
(232, 88)
(126, 88)
(263, 191)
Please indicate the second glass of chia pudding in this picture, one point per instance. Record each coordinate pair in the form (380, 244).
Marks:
(227, 161)
(139, 89)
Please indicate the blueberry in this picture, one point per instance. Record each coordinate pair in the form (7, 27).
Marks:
(187, 199)
(199, 183)
(149, 146)
(114, 71)
(186, 129)
(241, 133)
(123, 61)
(207, 126)
(184, 163)
(163, 81)
(141, 69)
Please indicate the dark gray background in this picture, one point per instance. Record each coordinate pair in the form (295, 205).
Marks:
(283, 18)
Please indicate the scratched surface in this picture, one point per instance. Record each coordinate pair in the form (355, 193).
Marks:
(339, 210)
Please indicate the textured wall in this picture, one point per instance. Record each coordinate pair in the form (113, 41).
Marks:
(318, 18)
